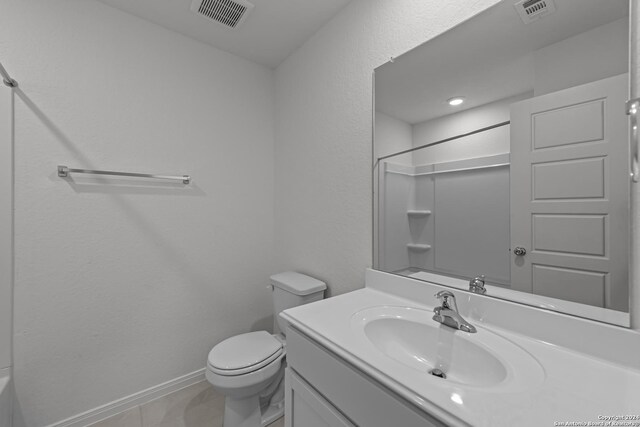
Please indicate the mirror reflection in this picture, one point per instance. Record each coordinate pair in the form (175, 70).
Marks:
(505, 158)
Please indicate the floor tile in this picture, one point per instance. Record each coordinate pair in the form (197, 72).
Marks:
(130, 418)
(278, 423)
(198, 405)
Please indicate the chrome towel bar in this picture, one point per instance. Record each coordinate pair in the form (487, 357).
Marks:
(64, 172)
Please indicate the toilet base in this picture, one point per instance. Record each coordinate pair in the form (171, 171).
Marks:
(243, 412)
(256, 410)
(272, 413)
(247, 412)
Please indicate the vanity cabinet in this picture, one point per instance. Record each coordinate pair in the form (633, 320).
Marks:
(306, 407)
(323, 390)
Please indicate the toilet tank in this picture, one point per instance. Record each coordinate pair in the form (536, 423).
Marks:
(292, 289)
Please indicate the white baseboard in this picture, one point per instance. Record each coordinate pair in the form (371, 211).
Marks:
(140, 398)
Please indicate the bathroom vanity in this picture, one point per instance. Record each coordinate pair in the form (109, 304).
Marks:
(363, 359)
(325, 390)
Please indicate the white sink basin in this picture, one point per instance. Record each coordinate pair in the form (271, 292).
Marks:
(411, 337)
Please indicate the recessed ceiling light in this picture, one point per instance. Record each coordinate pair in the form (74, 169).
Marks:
(455, 100)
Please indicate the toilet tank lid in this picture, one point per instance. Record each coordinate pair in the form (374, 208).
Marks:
(296, 283)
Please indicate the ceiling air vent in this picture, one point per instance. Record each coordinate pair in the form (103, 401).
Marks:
(531, 10)
(230, 13)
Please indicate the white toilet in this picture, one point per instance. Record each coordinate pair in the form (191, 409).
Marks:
(249, 368)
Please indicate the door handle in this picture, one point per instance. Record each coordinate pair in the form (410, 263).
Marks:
(520, 251)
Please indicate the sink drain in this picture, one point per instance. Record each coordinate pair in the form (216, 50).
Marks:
(438, 373)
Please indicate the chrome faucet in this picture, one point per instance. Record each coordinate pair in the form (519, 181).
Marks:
(477, 285)
(447, 313)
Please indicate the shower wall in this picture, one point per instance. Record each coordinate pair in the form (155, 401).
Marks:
(450, 198)
(123, 284)
(440, 218)
(397, 191)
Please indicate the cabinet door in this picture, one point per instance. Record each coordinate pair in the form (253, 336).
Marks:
(306, 408)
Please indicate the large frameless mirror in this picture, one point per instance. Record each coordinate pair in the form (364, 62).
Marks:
(502, 153)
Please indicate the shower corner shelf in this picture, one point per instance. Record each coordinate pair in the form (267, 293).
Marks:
(415, 213)
(418, 247)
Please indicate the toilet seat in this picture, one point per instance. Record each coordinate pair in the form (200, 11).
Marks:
(246, 369)
(244, 353)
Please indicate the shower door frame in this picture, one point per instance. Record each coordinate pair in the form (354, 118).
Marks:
(6, 227)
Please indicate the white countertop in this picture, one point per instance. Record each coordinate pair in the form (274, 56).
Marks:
(576, 387)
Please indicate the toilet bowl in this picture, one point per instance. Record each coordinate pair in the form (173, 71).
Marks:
(243, 368)
(249, 368)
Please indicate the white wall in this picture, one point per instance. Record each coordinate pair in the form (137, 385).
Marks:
(593, 55)
(120, 287)
(487, 143)
(392, 136)
(323, 132)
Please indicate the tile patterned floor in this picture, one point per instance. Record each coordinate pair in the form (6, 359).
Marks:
(198, 405)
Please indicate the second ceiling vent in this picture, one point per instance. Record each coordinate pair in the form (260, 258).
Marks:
(230, 13)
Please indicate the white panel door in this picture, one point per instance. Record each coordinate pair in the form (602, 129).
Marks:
(570, 192)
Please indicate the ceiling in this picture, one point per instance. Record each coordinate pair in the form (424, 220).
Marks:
(272, 31)
(485, 59)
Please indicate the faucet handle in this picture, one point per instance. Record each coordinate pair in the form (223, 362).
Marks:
(477, 284)
(444, 294)
(446, 303)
